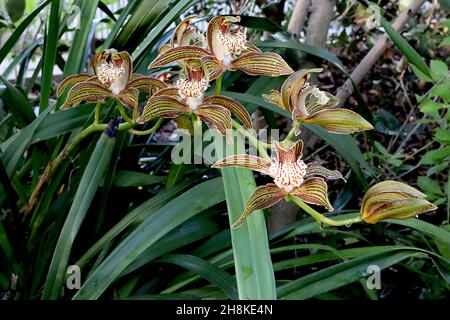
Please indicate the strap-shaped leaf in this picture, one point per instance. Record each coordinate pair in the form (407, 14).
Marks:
(213, 67)
(179, 53)
(147, 84)
(216, 117)
(129, 98)
(163, 107)
(342, 121)
(71, 81)
(85, 91)
(314, 191)
(262, 64)
(263, 197)
(244, 161)
(293, 85)
(235, 108)
(315, 169)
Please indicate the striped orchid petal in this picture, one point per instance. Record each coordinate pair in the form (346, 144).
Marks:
(249, 47)
(182, 31)
(71, 81)
(216, 117)
(342, 121)
(235, 108)
(314, 105)
(85, 91)
(398, 209)
(147, 84)
(258, 64)
(314, 191)
(163, 107)
(214, 31)
(169, 91)
(213, 67)
(244, 161)
(129, 98)
(290, 90)
(263, 197)
(274, 96)
(124, 58)
(315, 169)
(179, 53)
(393, 200)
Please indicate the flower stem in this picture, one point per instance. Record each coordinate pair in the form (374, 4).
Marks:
(321, 218)
(123, 113)
(97, 112)
(64, 154)
(149, 131)
(261, 146)
(290, 135)
(218, 85)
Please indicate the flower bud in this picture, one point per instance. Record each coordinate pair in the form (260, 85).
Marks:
(393, 200)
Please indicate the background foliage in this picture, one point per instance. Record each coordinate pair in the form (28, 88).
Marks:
(140, 227)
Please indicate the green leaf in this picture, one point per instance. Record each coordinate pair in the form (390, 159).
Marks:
(442, 135)
(254, 271)
(259, 23)
(76, 58)
(430, 107)
(408, 51)
(153, 228)
(51, 42)
(445, 42)
(15, 36)
(135, 216)
(206, 270)
(422, 76)
(17, 104)
(341, 274)
(162, 25)
(439, 70)
(441, 90)
(435, 156)
(189, 232)
(124, 179)
(429, 186)
(92, 177)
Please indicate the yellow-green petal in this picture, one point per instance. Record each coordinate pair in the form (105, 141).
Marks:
(314, 191)
(342, 121)
(85, 91)
(257, 64)
(163, 107)
(179, 53)
(263, 197)
(235, 108)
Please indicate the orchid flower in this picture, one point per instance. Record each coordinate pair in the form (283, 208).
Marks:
(393, 200)
(112, 78)
(310, 105)
(187, 97)
(227, 49)
(291, 176)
